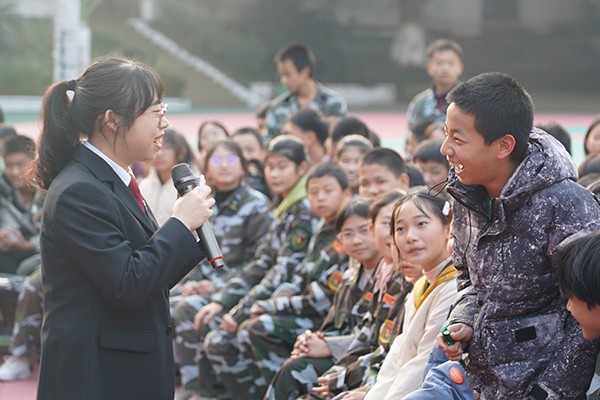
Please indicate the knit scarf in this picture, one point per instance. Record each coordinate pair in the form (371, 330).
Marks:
(421, 290)
(297, 193)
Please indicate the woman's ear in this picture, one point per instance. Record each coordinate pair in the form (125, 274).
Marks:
(110, 119)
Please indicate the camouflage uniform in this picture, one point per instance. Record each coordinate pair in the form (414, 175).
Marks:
(506, 250)
(298, 375)
(281, 251)
(28, 316)
(285, 105)
(236, 377)
(365, 355)
(426, 106)
(14, 213)
(239, 222)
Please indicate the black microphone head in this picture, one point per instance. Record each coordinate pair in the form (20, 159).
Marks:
(181, 171)
(183, 178)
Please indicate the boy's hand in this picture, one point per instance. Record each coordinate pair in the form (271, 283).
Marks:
(462, 335)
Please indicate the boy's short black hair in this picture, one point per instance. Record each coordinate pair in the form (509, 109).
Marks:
(250, 131)
(308, 119)
(500, 106)
(387, 158)
(589, 165)
(20, 144)
(429, 150)
(359, 207)
(329, 169)
(299, 54)
(7, 131)
(443, 45)
(578, 273)
(349, 126)
(557, 131)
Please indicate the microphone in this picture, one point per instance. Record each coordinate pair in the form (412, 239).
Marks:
(185, 181)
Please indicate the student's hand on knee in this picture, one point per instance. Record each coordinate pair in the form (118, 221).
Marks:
(256, 310)
(206, 314)
(462, 335)
(205, 287)
(229, 324)
(323, 388)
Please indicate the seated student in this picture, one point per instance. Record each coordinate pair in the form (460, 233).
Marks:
(350, 152)
(241, 218)
(310, 127)
(422, 230)
(579, 281)
(433, 165)
(19, 205)
(346, 126)
(389, 293)
(157, 187)
(351, 301)
(209, 133)
(254, 152)
(281, 249)
(591, 142)
(25, 341)
(6, 132)
(381, 171)
(327, 191)
(558, 132)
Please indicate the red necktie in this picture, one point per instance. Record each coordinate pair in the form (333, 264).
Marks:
(135, 191)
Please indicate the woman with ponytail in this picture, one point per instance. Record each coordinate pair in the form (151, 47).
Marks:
(106, 266)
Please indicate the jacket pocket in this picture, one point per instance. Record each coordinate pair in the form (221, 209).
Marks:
(516, 349)
(138, 341)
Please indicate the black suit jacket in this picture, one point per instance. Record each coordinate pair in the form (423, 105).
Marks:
(106, 271)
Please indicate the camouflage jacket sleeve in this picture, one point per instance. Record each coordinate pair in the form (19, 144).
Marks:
(316, 299)
(248, 276)
(291, 247)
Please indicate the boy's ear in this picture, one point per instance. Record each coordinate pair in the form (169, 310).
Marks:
(404, 181)
(505, 146)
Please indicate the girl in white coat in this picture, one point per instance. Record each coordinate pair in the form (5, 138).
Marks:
(421, 227)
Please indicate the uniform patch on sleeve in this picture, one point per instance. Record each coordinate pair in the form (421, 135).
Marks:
(385, 332)
(368, 296)
(389, 299)
(299, 240)
(334, 281)
(337, 246)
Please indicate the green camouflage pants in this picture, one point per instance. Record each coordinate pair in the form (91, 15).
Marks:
(187, 345)
(297, 377)
(28, 316)
(239, 375)
(269, 339)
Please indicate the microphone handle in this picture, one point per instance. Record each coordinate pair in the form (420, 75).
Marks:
(213, 253)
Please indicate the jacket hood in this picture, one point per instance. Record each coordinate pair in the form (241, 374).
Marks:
(545, 163)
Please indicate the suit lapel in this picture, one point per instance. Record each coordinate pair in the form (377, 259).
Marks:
(105, 174)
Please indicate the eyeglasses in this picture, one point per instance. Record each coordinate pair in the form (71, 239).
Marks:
(348, 236)
(161, 113)
(230, 159)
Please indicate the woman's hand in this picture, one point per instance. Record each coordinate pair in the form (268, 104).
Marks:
(194, 209)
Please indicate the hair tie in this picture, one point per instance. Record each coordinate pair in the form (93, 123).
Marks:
(71, 85)
(446, 209)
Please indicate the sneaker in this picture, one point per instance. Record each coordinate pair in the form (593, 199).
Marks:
(15, 369)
